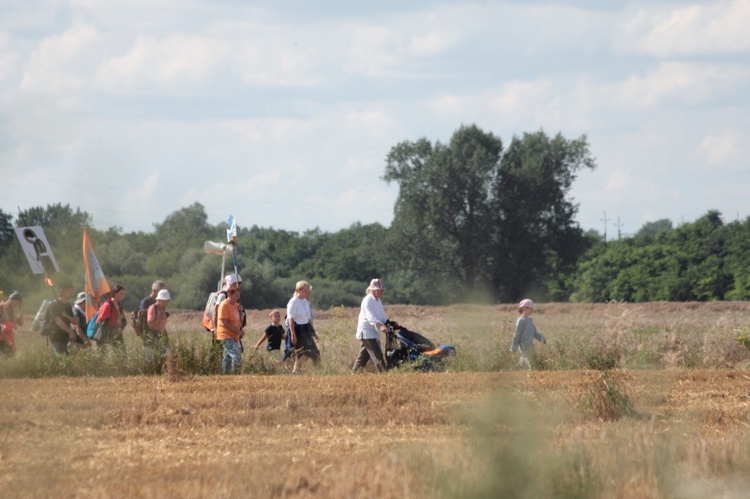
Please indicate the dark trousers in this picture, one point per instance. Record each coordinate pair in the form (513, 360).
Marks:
(370, 350)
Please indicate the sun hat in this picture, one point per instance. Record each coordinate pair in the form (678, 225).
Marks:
(81, 297)
(232, 278)
(163, 294)
(376, 285)
(527, 303)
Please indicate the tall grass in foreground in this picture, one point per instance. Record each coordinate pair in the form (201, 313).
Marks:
(518, 448)
(581, 336)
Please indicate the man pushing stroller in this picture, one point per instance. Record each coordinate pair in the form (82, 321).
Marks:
(372, 321)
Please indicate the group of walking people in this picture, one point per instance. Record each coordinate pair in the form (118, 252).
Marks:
(299, 338)
(70, 329)
(229, 319)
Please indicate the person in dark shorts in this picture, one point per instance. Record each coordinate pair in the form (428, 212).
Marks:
(274, 333)
(301, 335)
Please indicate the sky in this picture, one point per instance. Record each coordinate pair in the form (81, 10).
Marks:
(282, 113)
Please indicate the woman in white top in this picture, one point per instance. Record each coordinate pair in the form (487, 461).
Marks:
(371, 323)
(301, 334)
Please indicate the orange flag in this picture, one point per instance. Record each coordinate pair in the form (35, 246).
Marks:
(96, 284)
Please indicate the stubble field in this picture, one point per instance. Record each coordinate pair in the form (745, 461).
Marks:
(670, 419)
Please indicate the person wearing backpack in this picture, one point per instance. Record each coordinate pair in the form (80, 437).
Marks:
(139, 318)
(79, 312)
(112, 319)
(155, 334)
(210, 322)
(64, 326)
(229, 332)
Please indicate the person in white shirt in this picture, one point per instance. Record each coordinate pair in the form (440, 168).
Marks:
(371, 323)
(301, 336)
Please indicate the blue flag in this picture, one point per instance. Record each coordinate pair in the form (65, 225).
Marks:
(232, 230)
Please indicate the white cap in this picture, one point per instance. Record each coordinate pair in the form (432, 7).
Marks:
(163, 294)
(232, 278)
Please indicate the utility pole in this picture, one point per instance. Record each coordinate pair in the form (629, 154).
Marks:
(619, 226)
(605, 226)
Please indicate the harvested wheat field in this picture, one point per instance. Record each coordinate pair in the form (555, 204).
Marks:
(399, 435)
(666, 416)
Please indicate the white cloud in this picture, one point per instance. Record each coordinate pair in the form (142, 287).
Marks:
(517, 97)
(366, 203)
(285, 57)
(10, 58)
(680, 82)
(304, 103)
(368, 118)
(61, 63)
(721, 150)
(174, 62)
(713, 28)
(143, 194)
(356, 165)
(618, 179)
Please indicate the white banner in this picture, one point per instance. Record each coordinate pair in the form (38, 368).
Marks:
(37, 250)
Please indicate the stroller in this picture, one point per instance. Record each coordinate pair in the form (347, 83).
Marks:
(407, 347)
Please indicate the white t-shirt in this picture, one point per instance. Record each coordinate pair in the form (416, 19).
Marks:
(370, 315)
(299, 310)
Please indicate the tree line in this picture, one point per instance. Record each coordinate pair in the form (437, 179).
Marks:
(474, 221)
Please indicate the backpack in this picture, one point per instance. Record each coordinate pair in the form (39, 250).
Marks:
(36, 325)
(138, 320)
(209, 313)
(91, 325)
(46, 322)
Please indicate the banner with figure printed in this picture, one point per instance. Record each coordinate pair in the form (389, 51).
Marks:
(96, 284)
(37, 250)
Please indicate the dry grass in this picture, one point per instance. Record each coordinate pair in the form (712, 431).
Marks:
(399, 435)
(495, 433)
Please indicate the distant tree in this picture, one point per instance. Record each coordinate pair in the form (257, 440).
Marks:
(283, 249)
(60, 217)
(652, 229)
(738, 259)
(6, 230)
(354, 254)
(185, 228)
(692, 262)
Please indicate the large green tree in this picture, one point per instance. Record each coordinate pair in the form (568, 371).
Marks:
(537, 239)
(443, 221)
(473, 218)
